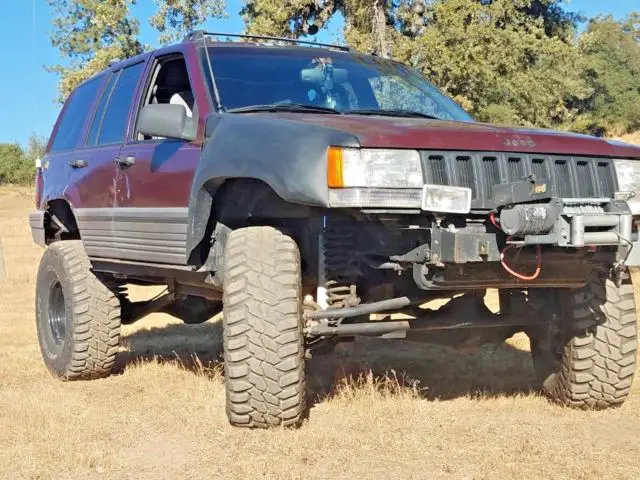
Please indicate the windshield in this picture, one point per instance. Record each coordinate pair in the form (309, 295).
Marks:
(345, 82)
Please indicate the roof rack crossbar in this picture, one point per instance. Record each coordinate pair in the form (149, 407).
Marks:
(199, 34)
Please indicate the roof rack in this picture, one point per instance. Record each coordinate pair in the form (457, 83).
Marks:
(200, 34)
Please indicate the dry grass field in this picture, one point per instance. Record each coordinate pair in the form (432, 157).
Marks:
(410, 411)
(631, 138)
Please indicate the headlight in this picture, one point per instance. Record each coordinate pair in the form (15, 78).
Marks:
(352, 167)
(374, 178)
(628, 173)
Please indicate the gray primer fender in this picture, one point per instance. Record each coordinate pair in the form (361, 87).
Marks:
(288, 155)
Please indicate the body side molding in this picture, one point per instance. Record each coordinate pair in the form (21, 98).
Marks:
(156, 235)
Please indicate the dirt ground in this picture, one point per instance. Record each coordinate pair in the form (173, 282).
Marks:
(410, 411)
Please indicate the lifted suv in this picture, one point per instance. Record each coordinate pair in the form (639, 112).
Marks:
(299, 189)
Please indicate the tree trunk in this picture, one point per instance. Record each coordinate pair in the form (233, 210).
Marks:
(379, 27)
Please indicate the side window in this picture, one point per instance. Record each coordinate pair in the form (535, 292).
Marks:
(170, 84)
(73, 117)
(113, 126)
(96, 123)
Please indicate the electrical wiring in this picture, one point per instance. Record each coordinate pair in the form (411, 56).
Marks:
(492, 218)
(506, 266)
(521, 276)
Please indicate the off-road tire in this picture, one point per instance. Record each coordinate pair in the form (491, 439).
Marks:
(262, 329)
(77, 315)
(590, 360)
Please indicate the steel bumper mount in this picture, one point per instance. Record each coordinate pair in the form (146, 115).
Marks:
(587, 222)
(591, 222)
(572, 223)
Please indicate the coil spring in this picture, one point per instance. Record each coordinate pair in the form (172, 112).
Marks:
(339, 249)
(339, 295)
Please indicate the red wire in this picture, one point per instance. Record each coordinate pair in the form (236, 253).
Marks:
(520, 276)
(492, 218)
(526, 278)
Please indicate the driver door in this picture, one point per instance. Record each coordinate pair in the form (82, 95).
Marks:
(155, 174)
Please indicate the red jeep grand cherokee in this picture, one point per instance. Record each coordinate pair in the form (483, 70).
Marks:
(299, 188)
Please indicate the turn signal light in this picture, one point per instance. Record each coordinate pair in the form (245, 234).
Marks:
(335, 176)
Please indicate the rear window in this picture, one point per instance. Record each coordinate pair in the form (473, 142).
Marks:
(73, 116)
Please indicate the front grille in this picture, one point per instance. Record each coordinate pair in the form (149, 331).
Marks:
(539, 167)
(491, 169)
(586, 188)
(605, 176)
(562, 178)
(437, 168)
(465, 174)
(515, 168)
(568, 177)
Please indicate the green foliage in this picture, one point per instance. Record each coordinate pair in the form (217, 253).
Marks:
(506, 61)
(175, 18)
(36, 145)
(611, 55)
(369, 24)
(557, 22)
(291, 18)
(15, 166)
(498, 62)
(90, 34)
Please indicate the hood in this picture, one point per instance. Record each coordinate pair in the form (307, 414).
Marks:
(418, 133)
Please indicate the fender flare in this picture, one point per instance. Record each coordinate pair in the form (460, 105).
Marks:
(41, 220)
(286, 154)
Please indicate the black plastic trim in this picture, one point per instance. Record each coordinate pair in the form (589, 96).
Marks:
(155, 235)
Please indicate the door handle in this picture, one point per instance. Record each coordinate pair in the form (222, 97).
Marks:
(125, 161)
(78, 163)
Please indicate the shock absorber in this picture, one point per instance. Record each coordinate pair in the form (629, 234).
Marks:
(338, 248)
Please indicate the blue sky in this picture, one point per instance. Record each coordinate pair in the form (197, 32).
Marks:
(29, 92)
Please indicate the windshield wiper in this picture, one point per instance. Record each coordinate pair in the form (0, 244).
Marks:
(391, 113)
(284, 107)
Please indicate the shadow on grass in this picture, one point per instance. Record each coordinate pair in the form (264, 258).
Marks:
(436, 372)
(192, 347)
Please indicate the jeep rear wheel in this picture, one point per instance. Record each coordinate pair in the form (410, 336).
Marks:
(263, 338)
(77, 316)
(590, 361)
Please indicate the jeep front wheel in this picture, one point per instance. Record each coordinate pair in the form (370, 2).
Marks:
(262, 322)
(77, 315)
(590, 359)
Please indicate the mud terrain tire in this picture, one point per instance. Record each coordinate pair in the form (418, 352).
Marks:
(262, 329)
(591, 359)
(77, 315)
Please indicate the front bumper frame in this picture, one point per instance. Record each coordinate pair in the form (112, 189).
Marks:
(462, 258)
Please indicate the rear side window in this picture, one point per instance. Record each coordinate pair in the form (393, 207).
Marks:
(113, 122)
(73, 116)
(92, 138)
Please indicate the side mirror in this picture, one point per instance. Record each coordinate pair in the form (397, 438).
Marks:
(166, 120)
